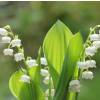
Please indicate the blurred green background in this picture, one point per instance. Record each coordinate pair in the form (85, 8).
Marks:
(32, 20)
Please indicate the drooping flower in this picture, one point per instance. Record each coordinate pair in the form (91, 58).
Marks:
(74, 86)
(46, 80)
(91, 63)
(82, 64)
(31, 63)
(87, 75)
(43, 61)
(8, 52)
(6, 39)
(19, 57)
(3, 32)
(96, 44)
(90, 51)
(25, 78)
(47, 92)
(44, 72)
(16, 42)
(94, 37)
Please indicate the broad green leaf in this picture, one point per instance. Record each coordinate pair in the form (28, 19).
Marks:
(74, 51)
(55, 46)
(25, 91)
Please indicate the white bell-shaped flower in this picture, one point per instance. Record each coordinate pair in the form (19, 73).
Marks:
(46, 80)
(19, 57)
(31, 63)
(74, 86)
(96, 44)
(43, 61)
(25, 78)
(3, 32)
(82, 64)
(90, 51)
(91, 63)
(6, 39)
(47, 92)
(44, 72)
(87, 75)
(16, 42)
(94, 37)
(8, 52)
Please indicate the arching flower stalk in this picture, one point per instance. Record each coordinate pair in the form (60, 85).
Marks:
(86, 62)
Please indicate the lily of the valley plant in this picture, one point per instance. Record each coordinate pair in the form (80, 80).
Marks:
(56, 76)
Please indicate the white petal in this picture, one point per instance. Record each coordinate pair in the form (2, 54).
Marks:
(6, 39)
(8, 52)
(43, 61)
(19, 57)
(3, 32)
(16, 42)
(31, 63)
(87, 75)
(25, 78)
(94, 37)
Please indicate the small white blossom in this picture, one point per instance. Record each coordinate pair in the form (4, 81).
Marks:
(31, 63)
(6, 39)
(19, 57)
(82, 64)
(25, 78)
(44, 72)
(8, 52)
(43, 61)
(3, 32)
(74, 86)
(46, 80)
(91, 63)
(94, 37)
(90, 51)
(87, 75)
(47, 92)
(96, 44)
(16, 42)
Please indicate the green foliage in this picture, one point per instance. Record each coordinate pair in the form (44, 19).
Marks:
(55, 48)
(25, 91)
(62, 50)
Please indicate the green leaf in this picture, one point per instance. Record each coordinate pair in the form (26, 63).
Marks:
(55, 47)
(73, 54)
(26, 91)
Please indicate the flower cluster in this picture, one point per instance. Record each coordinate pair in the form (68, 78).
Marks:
(14, 42)
(87, 64)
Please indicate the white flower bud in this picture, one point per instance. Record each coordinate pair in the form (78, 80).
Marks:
(47, 92)
(16, 42)
(25, 78)
(74, 86)
(87, 75)
(44, 72)
(19, 57)
(3, 32)
(8, 52)
(96, 44)
(82, 64)
(94, 37)
(44, 61)
(31, 63)
(6, 39)
(46, 80)
(91, 63)
(90, 51)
